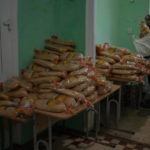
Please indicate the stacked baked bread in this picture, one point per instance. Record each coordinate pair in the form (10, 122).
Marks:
(119, 64)
(58, 80)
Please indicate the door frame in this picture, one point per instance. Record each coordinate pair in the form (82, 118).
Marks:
(12, 20)
(90, 28)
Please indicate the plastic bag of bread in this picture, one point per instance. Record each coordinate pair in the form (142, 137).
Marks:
(27, 73)
(8, 111)
(8, 103)
(45, 85)
(47, 79)
(58, 67)
(125, 66)
(58, 48)
(80, 71)
(82, 86)
(92, 97)
(52, 52)
(89, 90)
(25, 84)
(11, 84)
(107, 59)
(67, 100)
(104, 72)
(43, 63)
(44, 90)
(47, 96)
(51, 73)
(126, 77)
(111, 55)
(4, 96)
(49, 57)
(61, 42)
(71, 93)
(71, 56)
(104, 89)
(124, 72)
(21, 92)
(37, 68)
(102, 64)
(74, 81)
(66, 67)
(55, 108)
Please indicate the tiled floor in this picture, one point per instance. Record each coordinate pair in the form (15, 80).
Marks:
(137, 121)
(64, 142)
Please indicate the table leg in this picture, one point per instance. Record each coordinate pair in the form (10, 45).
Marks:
(34, 133)
(97, 119)
(48, 145)
(10, 134)
(1, 134)
(50, 133)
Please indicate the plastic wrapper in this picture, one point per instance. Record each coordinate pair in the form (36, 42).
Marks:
(51, 73)
(66, 67)
(43, 63)
(26, 84)
(55, 108)
(125, 72)
(58, 67)
(38, 68)
(111, 55)
(48, 79)
(74, 81)
(61, 42)
(50, 57)
(71, 93)
(27, 74)
(71, 56)
(8, 112)
(27, 102)
(126, 77)
(104, 72)
(21, 92)
(67, 100)
(93, 96)
(104, 89)
(8, 103)
(102, 64)
(119, 51)
(107, 59)
(11, 84)
(58, 48)
(79, 72)
(52, 52)
(125, 66)
(82, 86)
(45, 85)
(44, 90)
(4, 96)
(89, 90)
(48, 96)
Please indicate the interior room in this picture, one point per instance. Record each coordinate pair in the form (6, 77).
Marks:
(75, 75)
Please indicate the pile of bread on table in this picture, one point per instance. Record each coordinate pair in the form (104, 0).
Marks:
(58, 80)
(119, 64)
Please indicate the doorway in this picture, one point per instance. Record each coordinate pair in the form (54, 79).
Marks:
(8, 39)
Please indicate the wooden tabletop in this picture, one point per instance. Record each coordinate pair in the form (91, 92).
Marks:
(80, 108)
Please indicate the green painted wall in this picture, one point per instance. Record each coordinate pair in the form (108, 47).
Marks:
(106, 21)
(130, 15)
(38, 19)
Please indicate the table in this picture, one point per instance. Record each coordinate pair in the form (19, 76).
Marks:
(65, 115)
(22, 120)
